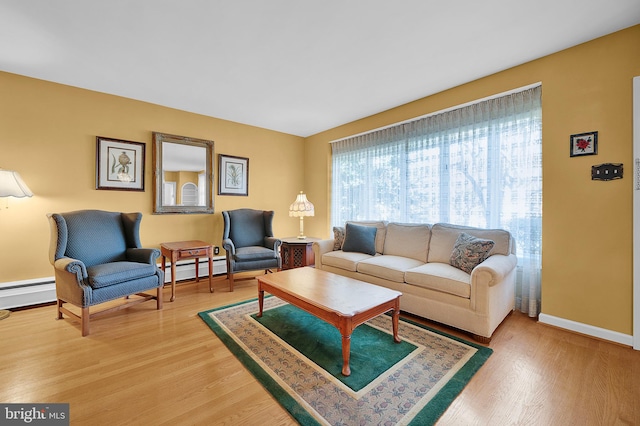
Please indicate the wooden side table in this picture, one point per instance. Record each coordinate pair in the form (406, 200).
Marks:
(180, 250)
(296, 253)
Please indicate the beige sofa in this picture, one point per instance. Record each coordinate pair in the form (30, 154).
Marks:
(415, 259)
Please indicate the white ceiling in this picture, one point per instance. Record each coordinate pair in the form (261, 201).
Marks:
(295, 66)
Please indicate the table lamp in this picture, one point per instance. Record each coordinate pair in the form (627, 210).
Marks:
(301, 207)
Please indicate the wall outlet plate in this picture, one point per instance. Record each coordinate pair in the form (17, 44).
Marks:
(606, 171)
(216, 250)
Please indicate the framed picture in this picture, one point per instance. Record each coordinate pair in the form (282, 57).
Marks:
(119, 164)
(584, 144)
(233, 175)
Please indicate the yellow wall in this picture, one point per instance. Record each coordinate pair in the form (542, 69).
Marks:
(587, 225)
(47, 134)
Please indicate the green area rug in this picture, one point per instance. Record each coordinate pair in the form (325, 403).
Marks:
(298, 358)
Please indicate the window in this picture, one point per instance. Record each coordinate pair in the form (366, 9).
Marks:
(478, 165)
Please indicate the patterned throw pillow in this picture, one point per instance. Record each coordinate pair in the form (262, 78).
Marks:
(469, 252)
(338, 237)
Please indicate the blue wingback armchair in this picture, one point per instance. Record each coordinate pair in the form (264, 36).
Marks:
(249, 242)
(97, 257)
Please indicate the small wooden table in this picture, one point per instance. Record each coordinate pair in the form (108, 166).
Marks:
(340, 301)
(297, 252)
(193, 249)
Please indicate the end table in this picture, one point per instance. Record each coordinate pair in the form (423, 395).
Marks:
(179, 250)
(297, 252)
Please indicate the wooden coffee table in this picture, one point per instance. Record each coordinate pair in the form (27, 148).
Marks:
(340, 301)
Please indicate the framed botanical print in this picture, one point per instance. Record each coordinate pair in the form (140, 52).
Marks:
(233, 177)
(119, 164)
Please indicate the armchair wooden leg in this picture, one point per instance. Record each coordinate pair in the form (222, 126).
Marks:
(60, 302)
(159, 299)
(229, 273)
(85, 321)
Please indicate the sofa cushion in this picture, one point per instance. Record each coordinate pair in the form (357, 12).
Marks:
(360, 238)
(107, 274)
(338, 237)
(444, 237)
(407, 240)
(441, 277)
(469, 251)
(388, 267)
(381, 225)
(344, 260)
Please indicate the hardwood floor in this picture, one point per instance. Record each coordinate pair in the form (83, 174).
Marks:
(142, 366)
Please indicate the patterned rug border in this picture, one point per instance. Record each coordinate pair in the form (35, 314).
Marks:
(428, 415)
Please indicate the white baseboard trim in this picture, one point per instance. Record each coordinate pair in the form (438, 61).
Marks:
(589, 330)
(27, 292)
(18, 294)
(185, 269)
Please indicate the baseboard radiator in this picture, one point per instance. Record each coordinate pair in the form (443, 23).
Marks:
(19, 294)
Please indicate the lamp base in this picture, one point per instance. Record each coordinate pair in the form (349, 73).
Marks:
(301, 236)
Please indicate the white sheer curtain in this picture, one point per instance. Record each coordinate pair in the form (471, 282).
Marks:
(479, 165)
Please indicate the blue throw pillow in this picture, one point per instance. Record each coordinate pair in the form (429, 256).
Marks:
(360, 238)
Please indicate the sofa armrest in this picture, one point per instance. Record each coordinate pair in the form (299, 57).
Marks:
(497, 266)
(493, 287)
(321, 247)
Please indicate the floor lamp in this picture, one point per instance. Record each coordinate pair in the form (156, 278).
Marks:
(12, 185)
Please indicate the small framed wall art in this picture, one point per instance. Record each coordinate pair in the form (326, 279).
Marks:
(584, 144)
(233, 177)
(119, 164)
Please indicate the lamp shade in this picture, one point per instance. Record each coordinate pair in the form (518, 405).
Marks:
(301, 206)
(12, 185)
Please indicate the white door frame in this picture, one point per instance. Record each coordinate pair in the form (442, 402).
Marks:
(636, 213)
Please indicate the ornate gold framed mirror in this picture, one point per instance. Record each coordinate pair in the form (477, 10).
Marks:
(183, 174)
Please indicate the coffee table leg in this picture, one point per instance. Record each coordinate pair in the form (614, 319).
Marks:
(396, 317)
(394, 320)
(346, 354)
(260, 299)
